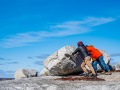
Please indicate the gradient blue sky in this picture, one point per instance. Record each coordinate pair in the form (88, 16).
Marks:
(31, 30)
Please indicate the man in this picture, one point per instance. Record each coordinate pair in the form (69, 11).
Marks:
(97, 58)
(82, 50)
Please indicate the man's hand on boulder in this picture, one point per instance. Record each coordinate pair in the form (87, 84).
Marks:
(67, 55)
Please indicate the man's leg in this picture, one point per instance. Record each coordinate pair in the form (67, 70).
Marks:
(87, 62)
(94, 64)
(102, 67)
(83, 67)
(105, 65)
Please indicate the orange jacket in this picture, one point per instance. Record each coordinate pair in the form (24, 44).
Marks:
(95, 53)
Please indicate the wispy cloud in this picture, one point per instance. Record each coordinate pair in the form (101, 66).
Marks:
(1, 58)
(12, 62)
(30, 57)
(92, 21)
(115, 54)
(43, 56)
(38, 62)
(59, 30)
(9, 63)
(10, 72)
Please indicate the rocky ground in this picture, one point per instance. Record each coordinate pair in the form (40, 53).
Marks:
(105, 82)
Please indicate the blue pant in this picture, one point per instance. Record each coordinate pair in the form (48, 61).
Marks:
(94, 64)
(102, 64)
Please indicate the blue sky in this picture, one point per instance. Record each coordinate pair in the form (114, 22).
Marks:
(31, 30)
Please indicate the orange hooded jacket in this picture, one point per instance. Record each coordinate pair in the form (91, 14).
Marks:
(95, 53)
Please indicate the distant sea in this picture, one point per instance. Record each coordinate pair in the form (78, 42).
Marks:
(3, 79)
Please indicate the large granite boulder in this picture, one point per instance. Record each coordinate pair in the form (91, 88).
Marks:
(61, 64)
(25, 73)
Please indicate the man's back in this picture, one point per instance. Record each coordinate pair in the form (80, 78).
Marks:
(95, 53)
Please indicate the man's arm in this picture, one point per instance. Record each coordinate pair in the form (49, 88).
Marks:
(75, 51)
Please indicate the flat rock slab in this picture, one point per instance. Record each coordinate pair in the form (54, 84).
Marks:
(112, 82)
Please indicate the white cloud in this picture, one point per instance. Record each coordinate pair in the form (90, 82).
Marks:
(92, 21)
(21, 39)
(63, 29)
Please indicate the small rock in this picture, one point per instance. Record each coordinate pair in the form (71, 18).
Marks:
(117, 66)
(25, 73)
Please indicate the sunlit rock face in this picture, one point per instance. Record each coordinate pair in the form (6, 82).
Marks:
(59, 64)
(25, 73)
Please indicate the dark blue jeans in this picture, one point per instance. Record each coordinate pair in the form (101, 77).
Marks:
(94, 64)
(102, 64)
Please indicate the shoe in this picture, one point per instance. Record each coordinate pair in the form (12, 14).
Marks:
(84, 74)
(103, 72)
(94, 76)
(96, 73)
(108, 73)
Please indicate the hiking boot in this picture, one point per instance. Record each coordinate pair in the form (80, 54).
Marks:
(108, 73)
(103, 72)
(96, 73)
(94, 76)
(84, 74)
